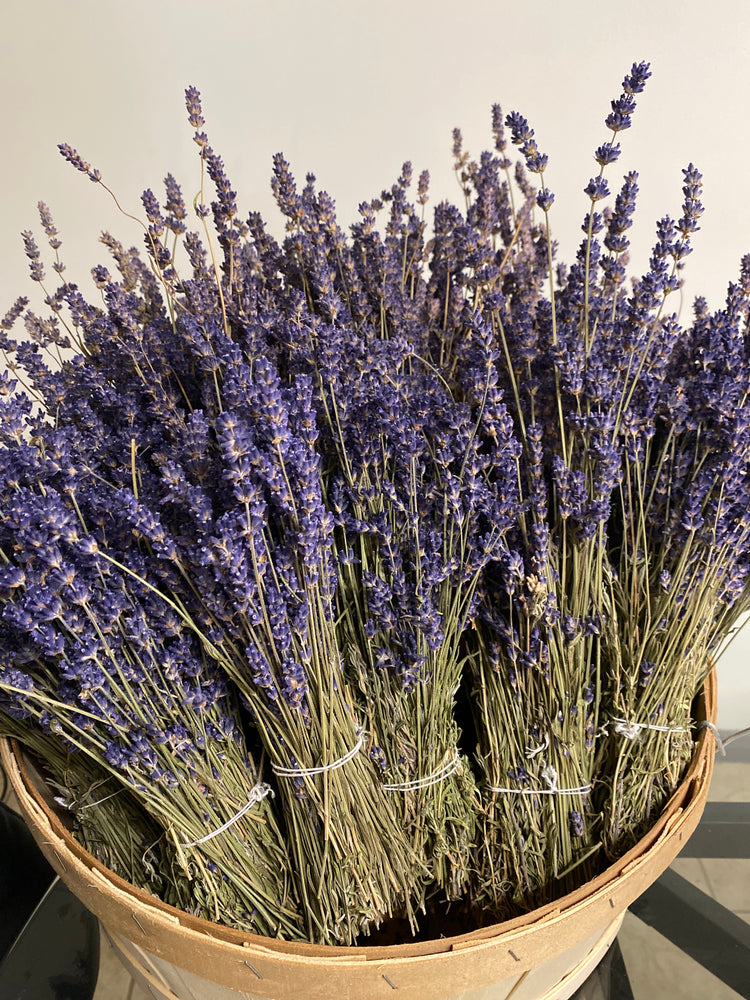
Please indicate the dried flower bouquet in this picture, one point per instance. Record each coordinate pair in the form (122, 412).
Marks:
(368, 575)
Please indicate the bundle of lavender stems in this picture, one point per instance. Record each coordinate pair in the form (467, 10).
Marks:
(352, 579)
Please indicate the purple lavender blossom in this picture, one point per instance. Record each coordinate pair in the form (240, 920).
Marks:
(522, 135)
(75, 159)
(597, 188)
(576, 823)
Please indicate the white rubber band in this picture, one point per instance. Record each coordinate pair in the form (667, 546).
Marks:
(302, 772)
(431, 779)
(257, 794)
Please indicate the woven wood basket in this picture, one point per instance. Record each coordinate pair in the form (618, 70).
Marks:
(542, 955)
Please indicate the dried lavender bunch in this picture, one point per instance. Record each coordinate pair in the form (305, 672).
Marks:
(105, 817)
(615, 479)
(267, 579)
(683, 503)
(548, 670)
(212, 466)
(409, 528)
(265, 647)
(96, 656)
(414, 522)
(113, 827)
(471, 475)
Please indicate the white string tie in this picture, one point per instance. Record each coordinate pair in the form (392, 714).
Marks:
(631, 730)
(720, 745)
(550, 777)
(582, 790)
(431, 779)
(72, 804)
(303, 772)
(627, 729)
(90, 805)
(257, 793)
(531, 753)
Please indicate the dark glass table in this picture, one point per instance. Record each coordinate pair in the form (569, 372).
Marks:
(692, 920)
(49, 942)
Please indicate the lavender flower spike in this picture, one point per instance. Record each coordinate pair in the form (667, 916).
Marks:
(522, 135)
(193, 104)
(74, 157)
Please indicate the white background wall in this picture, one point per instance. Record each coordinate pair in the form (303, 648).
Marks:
(349, 90)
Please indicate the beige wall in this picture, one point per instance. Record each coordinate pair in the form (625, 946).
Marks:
(351, 89)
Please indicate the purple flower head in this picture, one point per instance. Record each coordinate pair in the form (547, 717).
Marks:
(74, 157)
(194, 109)
(498, 131)
(459, 155)
(620, 118)
(621, 219)
(261, 673)
(523, 136)
(597, 188)
(608, 152)
(519, 128)
(692, 518)
(544, 200)
(295, 686)
(101, 276)
(45, 217)
(576, 823)
(153, 211)
(593, 221)
(646, 672)
(635, 80)
(32, 252)
(120, 756)
(175, 206)
(226, 207)
(285, 192)
(692, 207)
